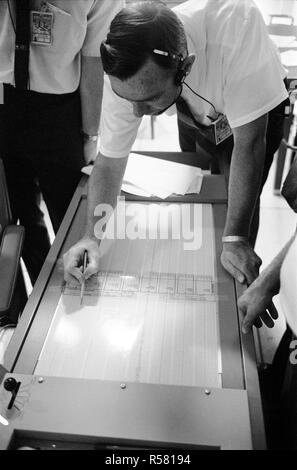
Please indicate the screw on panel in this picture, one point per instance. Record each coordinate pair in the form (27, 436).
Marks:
(40, 380)
(123, 386)
(207, 392)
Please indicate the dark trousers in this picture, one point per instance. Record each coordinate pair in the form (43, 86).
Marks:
(191, 141)
(42, 150)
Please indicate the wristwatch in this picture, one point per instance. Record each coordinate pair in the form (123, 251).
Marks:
(90, 138)
(234, 239)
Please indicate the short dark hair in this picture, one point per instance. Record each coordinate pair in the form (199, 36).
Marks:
(135, 32)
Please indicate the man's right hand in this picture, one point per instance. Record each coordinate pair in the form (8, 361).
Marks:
(73, 260)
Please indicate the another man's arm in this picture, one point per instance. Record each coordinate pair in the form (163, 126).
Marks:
(99, 16)
(289, 189)
(104, 186)
(91, 92)
(239, 258)
(257, 298)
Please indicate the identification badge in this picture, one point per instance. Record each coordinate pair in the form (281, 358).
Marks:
(42, 28)
(222, 129)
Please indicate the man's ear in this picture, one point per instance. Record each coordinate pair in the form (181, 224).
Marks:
(188, 63)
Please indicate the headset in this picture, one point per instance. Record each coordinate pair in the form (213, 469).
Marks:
(179, 79)
(180, 74)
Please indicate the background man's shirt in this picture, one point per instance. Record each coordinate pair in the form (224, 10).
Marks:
(79, 27)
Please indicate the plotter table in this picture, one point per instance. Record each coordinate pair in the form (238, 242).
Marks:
(154, 357)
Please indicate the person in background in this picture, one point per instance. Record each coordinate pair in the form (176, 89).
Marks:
(215, 60)
(255, 301)
(49, 129)
(278, 380)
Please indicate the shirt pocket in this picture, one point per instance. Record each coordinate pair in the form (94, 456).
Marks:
(68, 34)
(55, 9)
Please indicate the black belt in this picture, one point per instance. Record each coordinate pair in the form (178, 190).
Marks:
(34, 99)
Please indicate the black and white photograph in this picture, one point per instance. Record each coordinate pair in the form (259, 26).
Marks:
(148, 236)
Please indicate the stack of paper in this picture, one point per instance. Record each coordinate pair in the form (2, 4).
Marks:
(148, 176)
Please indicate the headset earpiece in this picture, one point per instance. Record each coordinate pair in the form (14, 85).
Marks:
(180, 76)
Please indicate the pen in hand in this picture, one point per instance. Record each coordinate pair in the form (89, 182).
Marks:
(82, 287)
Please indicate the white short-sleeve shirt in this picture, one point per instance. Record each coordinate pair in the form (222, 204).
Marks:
(79, 26)
(237, 68)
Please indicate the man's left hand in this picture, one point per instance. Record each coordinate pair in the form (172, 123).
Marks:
(90, 151)
(241, 261)
(257, 307)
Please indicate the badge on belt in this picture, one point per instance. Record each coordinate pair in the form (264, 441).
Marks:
(42, 28)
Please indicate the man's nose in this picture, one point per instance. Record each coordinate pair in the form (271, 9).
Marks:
(140, 109)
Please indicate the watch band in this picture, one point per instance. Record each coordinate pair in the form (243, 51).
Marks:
(234, 239)
(88, 137)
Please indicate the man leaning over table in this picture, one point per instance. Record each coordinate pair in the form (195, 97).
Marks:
(215, 60)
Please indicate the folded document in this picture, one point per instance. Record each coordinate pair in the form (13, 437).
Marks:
(148, 176)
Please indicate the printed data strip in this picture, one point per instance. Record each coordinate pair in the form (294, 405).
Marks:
(176, 286)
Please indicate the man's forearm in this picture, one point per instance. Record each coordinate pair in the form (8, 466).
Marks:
(269, 279)
(103, 188)
(91, 91)
(244, 186)
(104, 185)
